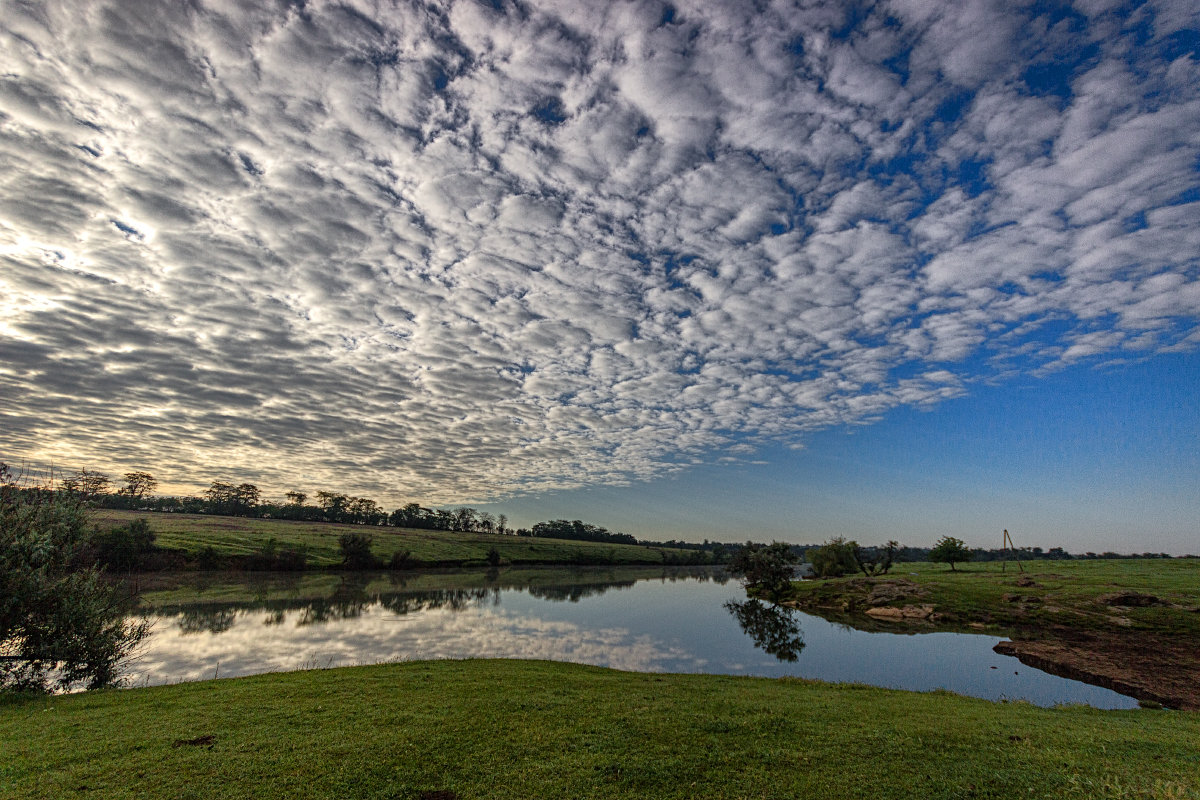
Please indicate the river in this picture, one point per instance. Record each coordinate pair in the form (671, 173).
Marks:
(647, 620)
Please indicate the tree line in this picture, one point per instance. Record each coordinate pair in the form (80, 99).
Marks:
(135, 490)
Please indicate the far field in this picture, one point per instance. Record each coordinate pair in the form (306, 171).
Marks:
(243, 536)
(1132, 625)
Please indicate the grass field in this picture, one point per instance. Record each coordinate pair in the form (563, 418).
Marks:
(242, 536)
(517, 729)
(1066, 593)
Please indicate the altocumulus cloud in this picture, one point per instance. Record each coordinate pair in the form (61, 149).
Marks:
(464, 250)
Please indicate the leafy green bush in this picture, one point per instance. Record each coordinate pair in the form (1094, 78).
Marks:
(356, 551)
(834, 559)
(765, 568)
(125, 548)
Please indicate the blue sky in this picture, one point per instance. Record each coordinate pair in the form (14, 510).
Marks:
(1085, 459)
(890, 270)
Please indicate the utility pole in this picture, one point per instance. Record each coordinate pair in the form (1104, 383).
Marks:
(1008, 545)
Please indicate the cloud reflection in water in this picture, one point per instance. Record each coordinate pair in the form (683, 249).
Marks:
(250, 642)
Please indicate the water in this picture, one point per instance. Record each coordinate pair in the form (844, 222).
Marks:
(647, 621)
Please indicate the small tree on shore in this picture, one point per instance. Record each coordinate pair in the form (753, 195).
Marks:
(765, 568)
(835, 558)
(949, 550)
(61, 623)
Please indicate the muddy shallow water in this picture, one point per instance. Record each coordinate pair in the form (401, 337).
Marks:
(686, 621)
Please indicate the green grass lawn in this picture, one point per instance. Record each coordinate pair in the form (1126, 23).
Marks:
(1065, 592)
(518, 729)
(241, 536)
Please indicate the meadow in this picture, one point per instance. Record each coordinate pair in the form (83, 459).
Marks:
(240, 537)
(1080, 594)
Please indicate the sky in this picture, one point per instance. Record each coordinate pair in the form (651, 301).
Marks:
(713, 270)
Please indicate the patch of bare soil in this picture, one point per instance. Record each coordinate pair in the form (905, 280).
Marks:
(1154, 667)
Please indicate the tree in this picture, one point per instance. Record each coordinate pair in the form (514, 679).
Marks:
(876, 560)
(88, 485)
(834, 559)
(246, 496)
(296, 498)
(221, 497)
(61, 624)
(333, 504)
(948, 550)
(356, 551)
(765, 568)
(138, 484)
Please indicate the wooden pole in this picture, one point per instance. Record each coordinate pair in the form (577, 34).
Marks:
(1008, 545)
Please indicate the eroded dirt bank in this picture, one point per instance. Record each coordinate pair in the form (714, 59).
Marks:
(1153, 667)
(1090, 638)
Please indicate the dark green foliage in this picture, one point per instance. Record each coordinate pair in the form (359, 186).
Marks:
(876, 560)
(949, 550)
(208, 558)
(578, 530)
(765, 568)
(773, 629)
(271, 557)
(493, 557)
(402, 559)
(61, 624)
(356, 551)
(125, 548)
(834, 559)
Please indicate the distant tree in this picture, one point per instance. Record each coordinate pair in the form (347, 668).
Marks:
(949, 550)
(138, 484)
(333, 504)
(88, 485)
(221, 497)
(61, 623)
(365, 511)
(765, 568)
(296, 498)
(464, 519)
(501, 524)
(876, 560)
(246, 496)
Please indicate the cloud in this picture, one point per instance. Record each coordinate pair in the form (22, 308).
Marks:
(459, 252)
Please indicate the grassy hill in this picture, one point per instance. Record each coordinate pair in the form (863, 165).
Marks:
(243, 536)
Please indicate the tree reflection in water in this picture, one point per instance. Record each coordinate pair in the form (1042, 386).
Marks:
(772, 628)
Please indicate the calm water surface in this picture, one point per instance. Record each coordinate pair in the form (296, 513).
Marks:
(650, 621)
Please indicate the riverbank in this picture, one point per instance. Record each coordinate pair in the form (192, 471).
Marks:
(1128, 625)
(454, 730)
(213, 542)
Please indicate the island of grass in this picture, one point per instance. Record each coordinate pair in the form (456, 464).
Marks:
(454, 730)
(1132, 625)
(219, 542)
